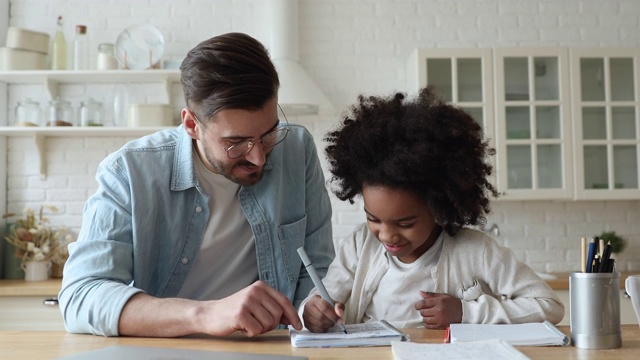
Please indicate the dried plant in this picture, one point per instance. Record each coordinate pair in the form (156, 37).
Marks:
(34, 238)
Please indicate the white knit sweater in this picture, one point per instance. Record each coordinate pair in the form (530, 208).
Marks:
(505, 291)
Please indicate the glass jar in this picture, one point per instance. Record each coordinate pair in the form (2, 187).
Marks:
(106, 57)
(60, 113)
(90, 113)
(28, 113)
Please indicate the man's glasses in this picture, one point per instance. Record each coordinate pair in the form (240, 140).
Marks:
(267, 141)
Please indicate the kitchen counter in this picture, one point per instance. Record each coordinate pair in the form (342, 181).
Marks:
(562, 280)
(17, 287)
(52, 286)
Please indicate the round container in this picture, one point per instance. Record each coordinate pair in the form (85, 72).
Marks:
(15, 59)
(150, 115)
(27, 113)
(90, 113)
(106, 57)
(59, 113)
(29, 40)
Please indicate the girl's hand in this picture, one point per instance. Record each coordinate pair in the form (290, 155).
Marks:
(318, 315)
(439, 310)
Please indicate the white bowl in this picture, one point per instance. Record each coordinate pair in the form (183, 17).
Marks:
(30, 40)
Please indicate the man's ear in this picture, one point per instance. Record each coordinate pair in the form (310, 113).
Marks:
(190, 123)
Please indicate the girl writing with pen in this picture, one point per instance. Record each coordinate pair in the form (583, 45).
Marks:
(420, 167)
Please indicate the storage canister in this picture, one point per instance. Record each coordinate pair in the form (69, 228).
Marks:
(60, 113)
(27, 113)
(91, 113)
(14, 59)
(29, 40)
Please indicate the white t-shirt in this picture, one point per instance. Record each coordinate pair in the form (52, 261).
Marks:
(226, 262)
(395, 298)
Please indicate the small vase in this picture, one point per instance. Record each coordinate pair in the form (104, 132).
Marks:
(36, 270)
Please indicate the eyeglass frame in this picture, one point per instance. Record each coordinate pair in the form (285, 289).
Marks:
(251, 143)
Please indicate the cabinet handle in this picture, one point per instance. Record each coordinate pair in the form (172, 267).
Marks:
(50, 302)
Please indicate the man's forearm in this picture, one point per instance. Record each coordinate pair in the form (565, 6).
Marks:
(144, 315)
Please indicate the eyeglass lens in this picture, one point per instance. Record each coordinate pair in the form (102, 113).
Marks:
(268, 141)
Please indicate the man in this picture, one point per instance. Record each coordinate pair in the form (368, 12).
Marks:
(195, 229)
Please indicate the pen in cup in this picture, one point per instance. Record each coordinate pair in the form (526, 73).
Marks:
(317, 281)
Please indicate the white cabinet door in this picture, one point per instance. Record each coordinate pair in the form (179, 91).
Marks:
(606, 114)
(460, 76)
(29, 313)
(533, 123)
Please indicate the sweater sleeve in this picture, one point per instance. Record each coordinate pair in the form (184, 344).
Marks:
(501, 289)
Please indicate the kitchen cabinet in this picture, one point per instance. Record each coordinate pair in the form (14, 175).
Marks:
(460, 76)
(28, 306)
(606, 108)
(533, 123)
(564, 122)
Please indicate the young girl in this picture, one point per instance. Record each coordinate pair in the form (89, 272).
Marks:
(420, 168)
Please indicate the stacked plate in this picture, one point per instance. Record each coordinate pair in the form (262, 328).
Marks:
(25, 50)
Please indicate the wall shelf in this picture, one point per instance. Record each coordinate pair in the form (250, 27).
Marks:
(51, 79)
(40, 134)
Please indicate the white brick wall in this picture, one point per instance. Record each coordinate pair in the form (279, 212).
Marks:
(349, 47)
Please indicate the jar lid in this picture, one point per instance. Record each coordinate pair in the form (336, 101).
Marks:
(81, 29)
(59, 101)
(28, 101)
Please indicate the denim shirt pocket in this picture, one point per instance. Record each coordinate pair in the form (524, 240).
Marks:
(292, 237)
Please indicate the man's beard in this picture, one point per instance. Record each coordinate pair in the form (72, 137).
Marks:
(227, 169)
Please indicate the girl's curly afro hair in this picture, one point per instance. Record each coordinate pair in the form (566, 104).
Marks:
(422, 145)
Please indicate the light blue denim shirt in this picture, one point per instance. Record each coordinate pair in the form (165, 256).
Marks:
(142, 229)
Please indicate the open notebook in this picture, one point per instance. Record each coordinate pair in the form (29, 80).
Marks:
(529, 334)
(375, 333)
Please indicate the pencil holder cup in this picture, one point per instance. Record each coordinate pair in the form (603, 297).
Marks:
(632, 286)
(595, 310)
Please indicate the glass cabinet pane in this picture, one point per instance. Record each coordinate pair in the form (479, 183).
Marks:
(625, 167)
(592, 79)
(519, 165)
(516, 78)
(518, 122)
(476, 114)
(469, 80)
(439, 76)
(623, 122)
(621, 70)
(549, 166)
(596, 165)
(594, 123)
(546, 78)
(548, 122)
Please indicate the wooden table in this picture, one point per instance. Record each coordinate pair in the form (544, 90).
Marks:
(50, 345)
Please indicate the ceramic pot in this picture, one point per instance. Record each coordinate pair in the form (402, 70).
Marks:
(36, 270)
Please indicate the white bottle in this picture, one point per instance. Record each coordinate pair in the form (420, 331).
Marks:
(59, 48)
(120, 105)
(81, 49)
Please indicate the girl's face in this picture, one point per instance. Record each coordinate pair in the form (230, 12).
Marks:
(400, 220)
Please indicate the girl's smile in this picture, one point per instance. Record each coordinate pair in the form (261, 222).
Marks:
(400, 220)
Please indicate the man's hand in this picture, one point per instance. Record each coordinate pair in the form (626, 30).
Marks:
(254, 310)
(439, 310)
(319, 316)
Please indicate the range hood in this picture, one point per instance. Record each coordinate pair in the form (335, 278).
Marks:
(298, 94)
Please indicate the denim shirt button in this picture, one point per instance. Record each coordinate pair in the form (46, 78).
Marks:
(198, 209)
(266, 275)
(184, 260)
